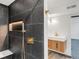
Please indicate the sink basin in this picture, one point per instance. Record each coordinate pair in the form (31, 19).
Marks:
(58, 38)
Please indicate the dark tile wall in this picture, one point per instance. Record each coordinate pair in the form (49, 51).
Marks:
(20, 9)
(36, 51)
(31, 12)
(3, 14)
(3, 27)
(15, 44)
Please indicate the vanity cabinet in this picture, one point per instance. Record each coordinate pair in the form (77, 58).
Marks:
(56, 45)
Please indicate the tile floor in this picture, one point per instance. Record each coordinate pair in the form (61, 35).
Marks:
(54, 55)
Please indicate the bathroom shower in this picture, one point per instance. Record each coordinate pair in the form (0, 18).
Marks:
(22, 30)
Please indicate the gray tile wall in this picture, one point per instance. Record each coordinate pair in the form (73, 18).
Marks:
(34, 22)
(15, 44)
(3, 27)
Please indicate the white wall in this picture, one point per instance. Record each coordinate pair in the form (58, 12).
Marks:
(75, 28)
(63, 28)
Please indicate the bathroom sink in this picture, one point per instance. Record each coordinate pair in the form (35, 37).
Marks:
(58, 38)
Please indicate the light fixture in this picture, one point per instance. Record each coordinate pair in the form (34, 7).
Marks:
(46, 12)
(53, 21)
(30, 40)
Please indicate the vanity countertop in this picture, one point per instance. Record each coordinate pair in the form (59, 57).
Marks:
(58, 38)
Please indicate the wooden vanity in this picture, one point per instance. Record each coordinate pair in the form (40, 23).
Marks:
(57, 44)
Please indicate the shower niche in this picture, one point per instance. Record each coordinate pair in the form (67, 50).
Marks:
(16, 26)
